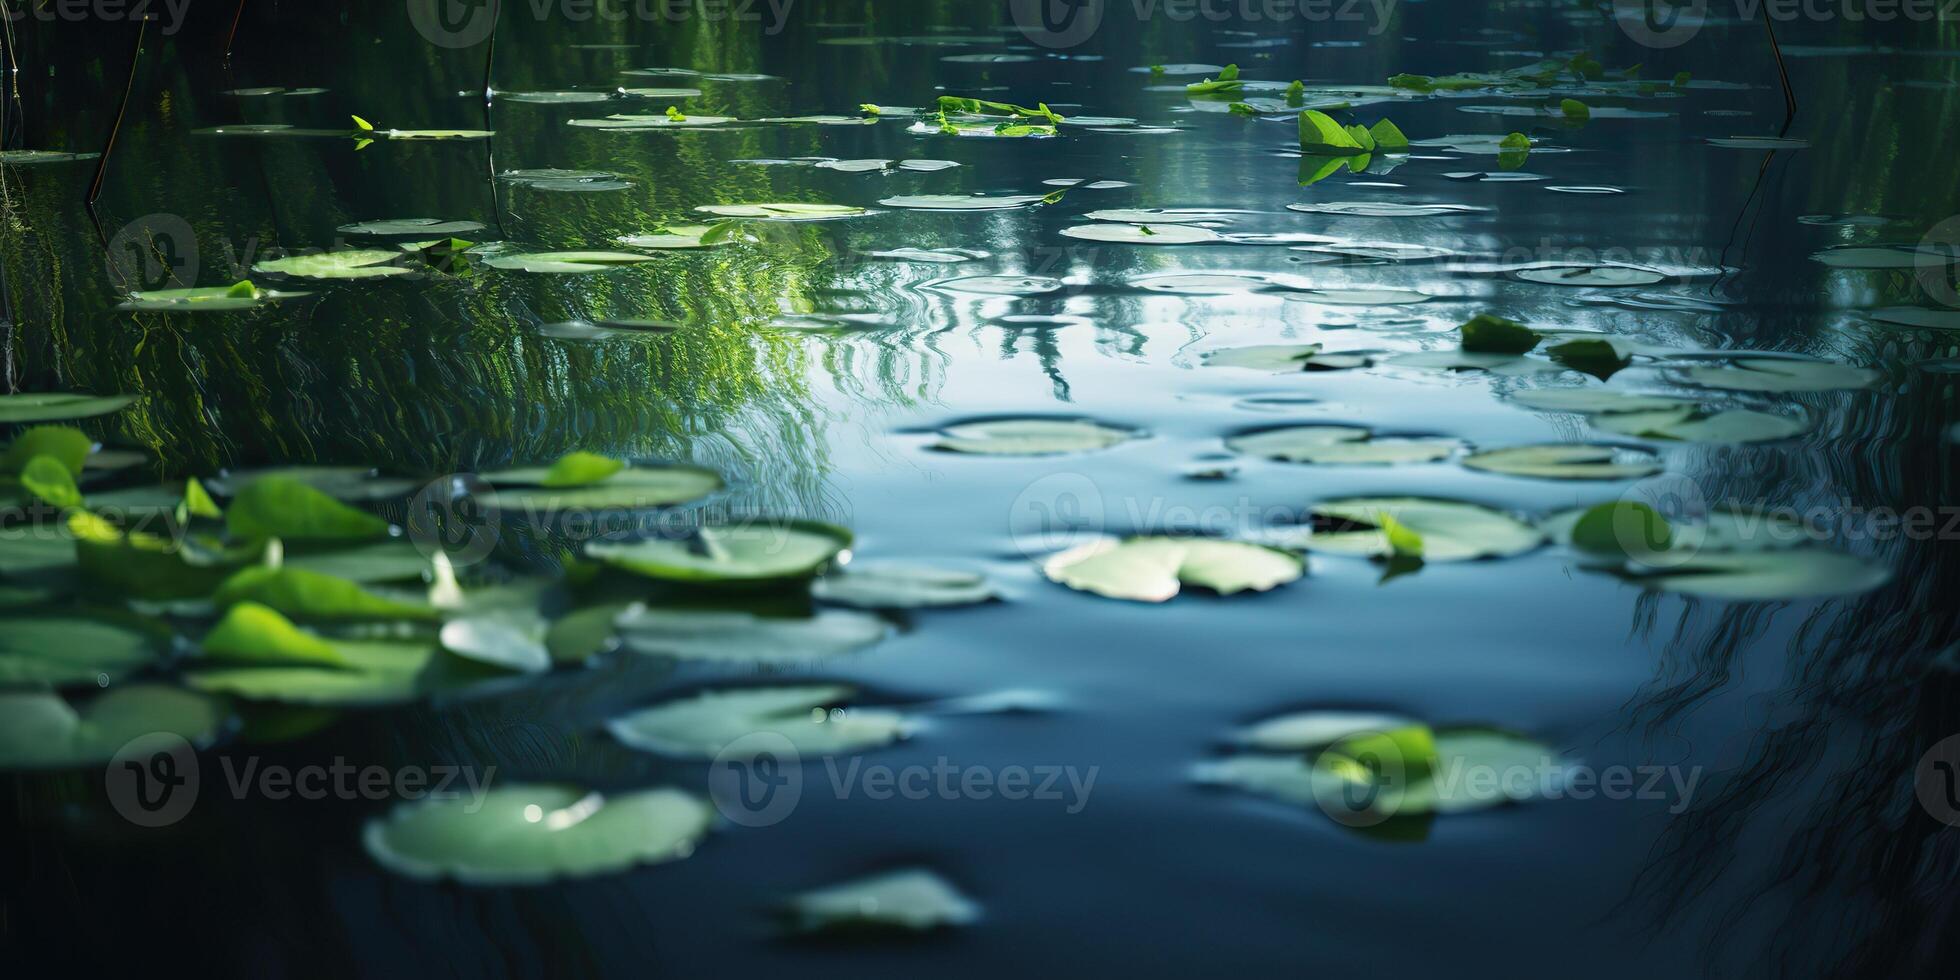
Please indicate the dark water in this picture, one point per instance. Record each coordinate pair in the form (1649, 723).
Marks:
(1801, 848)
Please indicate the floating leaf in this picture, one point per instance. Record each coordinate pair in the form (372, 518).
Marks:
(1143, 234)
(1797, 573)
(68, 448)
(962, 202)
(285, 508)
(522, 834)
(1595, 401)
(894, 585)
(344, 483)
(1283, 358)
(1591, 275)
(565, 262)
(46, 479)
(1384, 209)
(1782, 375)
(741, 637)
(1690, 425)
(783, 212)
(41, 731)
(1598, 358)
(746, 554)
(1622, 529)
(412, 227)
(1487, 334)
(906, 901)
(350, 264)
(495, 642)
(65, 649)
(1031, 437)
(307, 594)
(257, 634)
(59, 406)
(1565, 461)
(1153, 569)
(1450, 530)
(704, 725)
(1338, 445)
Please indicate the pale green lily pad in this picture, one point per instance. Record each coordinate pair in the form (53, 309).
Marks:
(961, 202)
(559, 180)
(912, 900)
(524, 834)
(1566, 461)
(349, 264)
(1003, 285)
(1359, 297)
(1462, 360)
(72, 648)
(783, 211)
(897, 585)
(367, 674)
(1689, 425)
(495, 642)
(29, 158)
(1595, 401)
(285, 508)
(394, 560)
(308, 594)
(434, 134)
(1723, 530)
(704, 725)
(1154, 569)
(1918, 316)
(1591, 275)
(1383, 209)
(353, 484)
(203, 299)
(565, 262)
(1163, 216)
(1170, 234)
(39, 730)
(739, 637)
(1339, 445)
(556, 98)
(59, 406)
(1031, 437)
(633, 488)
(1284, 358)
(676, 237)
(1777, 374)
(412, 227)
(1885, 256)
(755, 553)
(1451, 530)
(1773, 575)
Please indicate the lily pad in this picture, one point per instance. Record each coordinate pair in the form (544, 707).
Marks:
(565, 262)
(1359, 297)
(1591, 275)
(204, 299)
(412, 228)
(961, 202)
(1031, 437)
(1383, 209)
(676, 236)
(39, 730)
(366, 673)
(288, 509)
(1691, 425)
(783, 211)
(59, 406)
(1782, 375)
(1451, 530)
(1887, 256)
(1163, 216)
(740, 637)
(62, 649)
(906, 901)
(1154, 569)
(631, 488)
(1918, 316)
(1748, 576)
(1284, 358)
(704, 725)
(1143, 234)
(1339, 445)
(1592, 401)
(747, 554)
(1566, 461)
(492, 641)
(898, 585)
(527, 834)
(349, 264)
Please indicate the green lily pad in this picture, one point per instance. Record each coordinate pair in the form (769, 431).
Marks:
(630, 488)
(349, 264)
(29, 158)
(897, 585)
(1487, 334)
(285, 508)
(1566, 461)
(565, 262)
(523, 834)
(1690, 425)
(741, 637)
(206, 299)
(256, 634)
(1751, 576)
(412, 227)
(762, 552)
(1776, 374)
(367, 674)
(69, 448)
(1339, 445)
(351, 484)
(1170, 234)
(63, 649)
(1918, 316)
(307, 594)
(1154, 569)
(676, 237)
(1595, 401)
(1359, 297)
(907, 901)
(59, 406)
(1031, 437)
(1886, 256)
(495, 642)
(1591, 275)
(961, 202)
(1383, 209)
(1451, 530)
(369, 563)
(703, 726)
(1720, 530)
(1284, 358)
(39, 730)
(783, 211)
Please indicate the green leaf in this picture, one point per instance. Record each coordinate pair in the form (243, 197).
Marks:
(1450, 530)
(1242, 109)
(305, 594)
(58, 406)
(741, 637)
(67, 446)
(363, 124)
(84, 649)
(869, 109)
(1362, 137)
(49, 481)
(760, 553)
(1574, 110)
(1414, 83)
(579, 469)
(520, 834)
(674, 113)
(1598, 358)
(1388, 137)
(1296, 93)
(1681, 79)
(1227, 81)
(1566, 461)
(1489, 334)
(1153, 569)
(705, 725)
(198, 502)
(282, 507)
(1515, 141)
(1339, 445)
(143, 565)
(39, 730)
(901, 903)
(242, 289)
(891, 585)
(1622, 529)
(1403, 542)
(1031, 437)
(256, 634)
(1320, 134)
(500, 644)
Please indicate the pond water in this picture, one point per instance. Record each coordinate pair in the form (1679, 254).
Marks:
(1722, 738)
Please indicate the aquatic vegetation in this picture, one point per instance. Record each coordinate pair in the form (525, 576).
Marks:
(811, 718)
(907, 901)
(519, 834)
(1155, 569)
